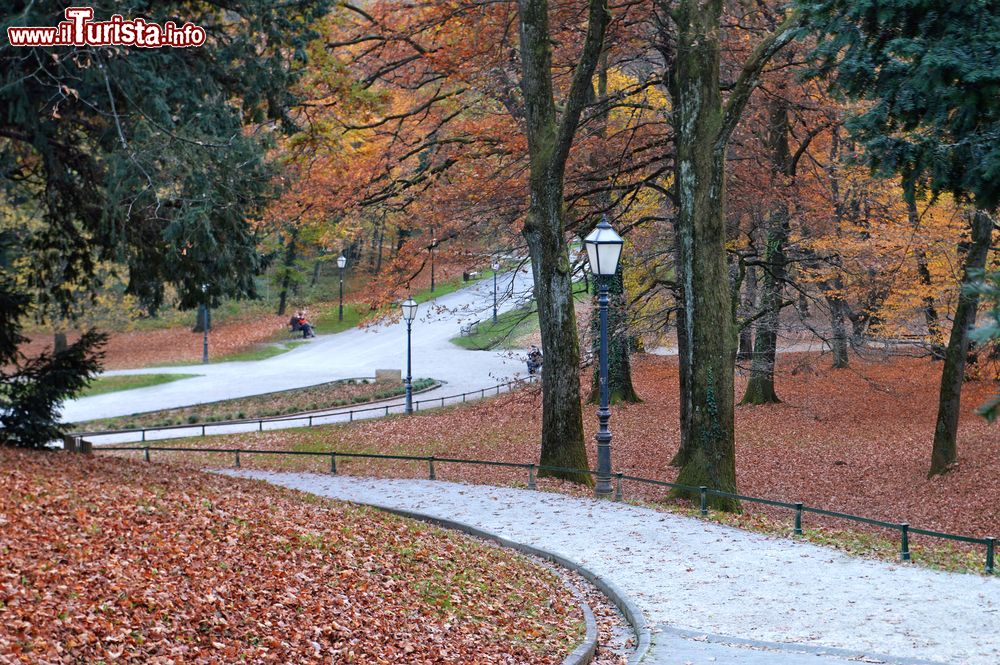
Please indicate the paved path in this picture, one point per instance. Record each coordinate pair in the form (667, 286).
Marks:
(714, 594)
(352, 353)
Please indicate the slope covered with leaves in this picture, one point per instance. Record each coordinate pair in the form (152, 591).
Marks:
(854, 440)
(104, 559)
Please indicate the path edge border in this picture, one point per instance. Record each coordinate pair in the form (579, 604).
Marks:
(585, 652)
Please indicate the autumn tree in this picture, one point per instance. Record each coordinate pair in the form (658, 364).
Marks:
(703, 119)
(929, 68)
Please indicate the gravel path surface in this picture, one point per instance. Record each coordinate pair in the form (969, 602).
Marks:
(714, 594)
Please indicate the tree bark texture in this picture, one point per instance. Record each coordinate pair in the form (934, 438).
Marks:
(549, 142)
(945, 451)
(620, 388)
(710, 356)
(760, 387)
(749, 305)
(287, 267)
(702, 127)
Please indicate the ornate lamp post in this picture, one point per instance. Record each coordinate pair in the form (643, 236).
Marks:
(409, 308)
(604, 248)
(204, 328)
(341, 263)
(496, 268)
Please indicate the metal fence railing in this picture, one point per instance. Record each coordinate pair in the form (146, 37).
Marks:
(330, 416)
(904, 529)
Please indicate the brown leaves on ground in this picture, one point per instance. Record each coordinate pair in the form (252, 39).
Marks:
(105, 559)
(855, 440)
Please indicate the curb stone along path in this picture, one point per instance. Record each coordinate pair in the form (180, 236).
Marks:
(715, 594)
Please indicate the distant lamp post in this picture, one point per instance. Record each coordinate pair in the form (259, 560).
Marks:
(409, 308)
(341, 263)
(604, 248)
(434, 243)
(496, 267)
(204, 327)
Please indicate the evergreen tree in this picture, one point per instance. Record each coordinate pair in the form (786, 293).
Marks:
(141, 157)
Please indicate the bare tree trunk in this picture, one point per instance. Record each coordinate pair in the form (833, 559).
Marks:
(838, 340)
(923, 272)
(549, 142)
(683, 353)
(945, 450)
(620, 388)
(760, 387)
(702, 128)
(711, 353)
(745, 351)
(287, 266)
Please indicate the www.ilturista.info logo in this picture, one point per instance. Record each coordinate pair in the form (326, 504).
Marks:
(79, 30)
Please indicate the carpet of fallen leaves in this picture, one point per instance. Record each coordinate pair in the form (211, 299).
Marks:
(147, 348)
(855, 440)
(106, 559)
(298, 400)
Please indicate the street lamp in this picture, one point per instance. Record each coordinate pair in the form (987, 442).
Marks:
(409, 308)
(433, 245)
(604, 248)
(204, 327)
(496, 267)
(341, 263)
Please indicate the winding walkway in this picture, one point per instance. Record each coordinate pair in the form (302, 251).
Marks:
(714, 594)
(353, 353)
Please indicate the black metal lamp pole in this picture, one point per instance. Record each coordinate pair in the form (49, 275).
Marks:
(433, 243)
(204, 327)
(341, 263)
(409, 308)
(604, 248)
(409, 375)
(496, 267)
(603, 486)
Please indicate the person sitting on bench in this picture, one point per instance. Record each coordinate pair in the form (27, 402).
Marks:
(299, 322)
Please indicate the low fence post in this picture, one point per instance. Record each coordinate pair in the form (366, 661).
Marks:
(442, 401)
(144, 435)
(430, 467)
(618, 489)
(237, 458)
(333, 463)
(310, 421)
(463, 398)
(203, 430)
(704, 500)
(531, 477)
(798, 519)
(386, 409)
(351, 414)
(904, 544)
(260, 425)
(990, 543)
(145, 453)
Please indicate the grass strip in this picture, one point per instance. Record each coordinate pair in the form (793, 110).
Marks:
(331, 395)
(112, 384)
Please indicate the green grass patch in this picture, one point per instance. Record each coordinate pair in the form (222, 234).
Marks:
(328, 323)
(112, 384)
(510, 325)
(262, 352)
